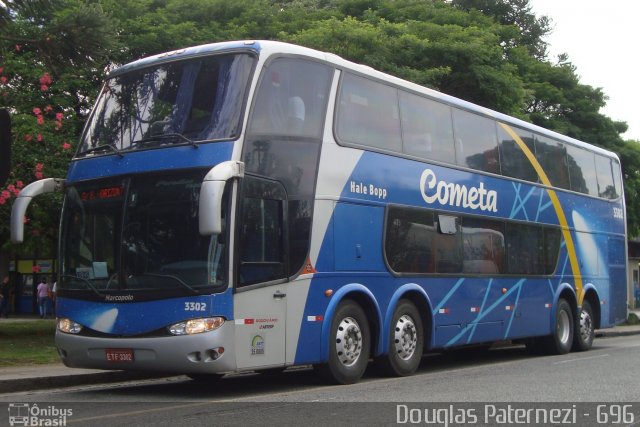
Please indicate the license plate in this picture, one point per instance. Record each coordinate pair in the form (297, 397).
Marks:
(119, 355)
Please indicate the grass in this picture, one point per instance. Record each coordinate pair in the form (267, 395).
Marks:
(27, 343)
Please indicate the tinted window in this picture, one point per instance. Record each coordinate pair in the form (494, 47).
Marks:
(552, 238)
(368, 114)
(606, 184)
(427, 131)
(513, 159)
(524, 249)
(292, 98)
(409, 240)
(483, 242)
(448, 247)
(582, 173)
(476, 142)
(262, 244)
(552, 156)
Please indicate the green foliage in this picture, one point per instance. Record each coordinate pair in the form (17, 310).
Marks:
(28, 343)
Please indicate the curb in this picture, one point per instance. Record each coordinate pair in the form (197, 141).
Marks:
(38, 383)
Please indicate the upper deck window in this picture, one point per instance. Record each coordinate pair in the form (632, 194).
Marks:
(172, 103)
(368, 114)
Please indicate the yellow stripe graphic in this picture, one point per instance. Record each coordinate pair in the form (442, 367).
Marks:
(562, 219)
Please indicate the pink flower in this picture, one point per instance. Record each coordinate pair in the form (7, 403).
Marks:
(58, 125)
(5, 194)
(18, 47)
(19, 184)
(39, 166)
(3, 201)
(37, 111)
(44, 88)
(40, 120)
(46, 79)
(28, 138)
(38, 175)
(59, 117)
(39, 137)
(66, 146)
(3, 80)
(48, 108)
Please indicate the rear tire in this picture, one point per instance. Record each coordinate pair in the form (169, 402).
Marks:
(584, 333)
(561, 340)
(406, 341)
(349, 345)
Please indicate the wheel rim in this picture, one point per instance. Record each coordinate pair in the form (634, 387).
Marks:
(348, 341)
(586, 326)
(405, 337)
(564, 327)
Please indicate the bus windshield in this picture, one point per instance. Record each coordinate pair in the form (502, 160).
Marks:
(172, 103)
(139, 235)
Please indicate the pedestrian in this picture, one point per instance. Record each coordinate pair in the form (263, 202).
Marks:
(4, 297)
(44, 298)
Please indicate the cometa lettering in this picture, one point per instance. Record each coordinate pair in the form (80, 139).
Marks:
(449, 194)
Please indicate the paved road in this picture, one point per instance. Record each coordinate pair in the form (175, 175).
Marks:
(608, 373)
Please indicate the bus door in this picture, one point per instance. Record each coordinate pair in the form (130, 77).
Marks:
(260, 300)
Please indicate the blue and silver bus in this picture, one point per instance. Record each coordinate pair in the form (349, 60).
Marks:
(255, 205)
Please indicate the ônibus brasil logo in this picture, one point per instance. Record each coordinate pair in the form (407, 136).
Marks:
(25, 414)
(449, 194)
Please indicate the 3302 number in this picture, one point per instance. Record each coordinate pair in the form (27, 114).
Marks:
(618, 213)
(195, 306)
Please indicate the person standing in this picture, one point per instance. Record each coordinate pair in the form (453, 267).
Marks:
(4, 297)
(44, 298)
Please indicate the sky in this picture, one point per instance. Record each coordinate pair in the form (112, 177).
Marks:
(601, 39)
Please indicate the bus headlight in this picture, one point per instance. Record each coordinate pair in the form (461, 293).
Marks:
(196, 326)
(68, 326)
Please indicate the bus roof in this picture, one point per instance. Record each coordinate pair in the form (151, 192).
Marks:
(267, 48)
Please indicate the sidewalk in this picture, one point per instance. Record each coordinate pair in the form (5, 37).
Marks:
(24, 378)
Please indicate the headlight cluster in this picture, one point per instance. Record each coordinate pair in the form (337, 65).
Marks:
(196, 326)
(68, 326)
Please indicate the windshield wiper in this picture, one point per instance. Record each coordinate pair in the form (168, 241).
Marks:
(160, 137)
(176, 278)
(85, 281)
(111, 147)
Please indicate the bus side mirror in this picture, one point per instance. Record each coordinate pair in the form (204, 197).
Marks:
(210, 209)
(20, 205)
(5, 146)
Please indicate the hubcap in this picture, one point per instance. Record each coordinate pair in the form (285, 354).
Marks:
(564, 327)
(348, 341)
(586, 326)
(405, 337)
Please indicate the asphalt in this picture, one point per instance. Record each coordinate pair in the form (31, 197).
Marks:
(36, 377)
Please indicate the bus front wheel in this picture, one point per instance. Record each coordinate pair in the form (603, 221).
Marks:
(406, 341)
(349, 345)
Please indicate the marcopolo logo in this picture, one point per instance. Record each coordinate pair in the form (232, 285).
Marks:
(449, 194)
(25, 414)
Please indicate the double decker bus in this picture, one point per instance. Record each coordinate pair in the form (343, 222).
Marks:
(257, 205)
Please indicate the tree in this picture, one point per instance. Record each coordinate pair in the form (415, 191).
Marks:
(48, 77)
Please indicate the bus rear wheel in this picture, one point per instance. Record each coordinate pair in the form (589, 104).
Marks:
(561, 340)
(585, 332)
(349, 345)
(406, 341)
